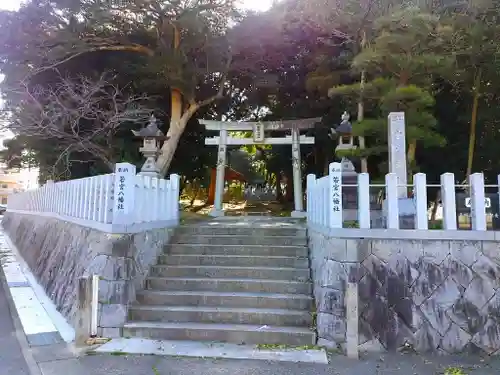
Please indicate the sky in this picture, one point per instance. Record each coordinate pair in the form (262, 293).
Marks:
(261, 5)
(9, 4)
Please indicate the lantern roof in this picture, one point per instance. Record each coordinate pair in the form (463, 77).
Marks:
(150, 131)
(345, 126)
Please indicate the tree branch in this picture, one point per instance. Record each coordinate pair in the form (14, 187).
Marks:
(80, 113)
(128, 48)
(220, 92)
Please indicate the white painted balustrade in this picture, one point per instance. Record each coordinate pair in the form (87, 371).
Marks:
(121, 202)
(324, 200)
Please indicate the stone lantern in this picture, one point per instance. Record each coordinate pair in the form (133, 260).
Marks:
(152, 136)
(344, 133)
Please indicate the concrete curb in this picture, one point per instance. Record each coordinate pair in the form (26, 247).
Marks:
(21, 337)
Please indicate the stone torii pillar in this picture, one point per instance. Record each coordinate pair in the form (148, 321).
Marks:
(221, 169)
(297, 175)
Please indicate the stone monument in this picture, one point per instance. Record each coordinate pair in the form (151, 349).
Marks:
(398, 165)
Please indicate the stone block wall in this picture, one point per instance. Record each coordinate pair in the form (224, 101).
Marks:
(59, 253)
(433, 294)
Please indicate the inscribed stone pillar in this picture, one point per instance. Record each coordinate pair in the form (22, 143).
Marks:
(397, 165)
(397, 150)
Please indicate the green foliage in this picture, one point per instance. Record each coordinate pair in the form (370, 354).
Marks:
(422, 62)
(454, 371)
(408, 46)
(406, 51)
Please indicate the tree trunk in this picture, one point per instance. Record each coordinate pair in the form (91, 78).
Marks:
(412, 149)
(361, 108)
(170, 145)
(279, 195)
(196, 189)
(473, 122)
(178, 122)
(289, 187)
(435, 205)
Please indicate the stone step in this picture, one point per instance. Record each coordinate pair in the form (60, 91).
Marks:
(239, 240)
(247, 230)
(221, 315)
(226, 299)
(257, 250)
(233, 261)
(232, 333)
(204, 284)
(281, 273)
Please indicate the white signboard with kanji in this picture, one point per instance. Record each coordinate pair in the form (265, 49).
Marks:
(335, 190)
(124, 189)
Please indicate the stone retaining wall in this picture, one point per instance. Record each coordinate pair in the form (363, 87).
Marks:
(435, 295)
(59, 253)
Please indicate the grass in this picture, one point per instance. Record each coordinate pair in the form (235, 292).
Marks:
(192, 217)
(454, 371)
(284, 347)
(314, 315)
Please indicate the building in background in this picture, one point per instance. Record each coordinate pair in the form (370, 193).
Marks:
(11, 181)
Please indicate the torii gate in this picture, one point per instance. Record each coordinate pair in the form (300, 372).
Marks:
(259, 137)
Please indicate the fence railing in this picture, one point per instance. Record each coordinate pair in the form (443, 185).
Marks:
(121, 202)
(324, 201)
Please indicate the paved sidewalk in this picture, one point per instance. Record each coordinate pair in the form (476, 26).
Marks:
(394, 364)
(13, 345)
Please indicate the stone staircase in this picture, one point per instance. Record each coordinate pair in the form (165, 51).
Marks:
(229, 281)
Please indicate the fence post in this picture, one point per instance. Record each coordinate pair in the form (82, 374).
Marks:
(124, 194)
(420, 196)
(498, 192)
(477, 197)
(155, 202)
(174, 196)
(364, 200)
(448, 200)
(163, 186)
(51, 201)
(335, 195)
(391, 191)
(108, 199)
(87, 197)
(311, 179)
(324, 203)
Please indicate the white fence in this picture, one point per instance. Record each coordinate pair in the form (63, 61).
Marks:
(324, 200)
(121, 202)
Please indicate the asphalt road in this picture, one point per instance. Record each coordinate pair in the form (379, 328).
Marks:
(340, 365)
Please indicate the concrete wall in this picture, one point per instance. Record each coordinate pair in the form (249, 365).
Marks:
(59, 253)
(436, 291)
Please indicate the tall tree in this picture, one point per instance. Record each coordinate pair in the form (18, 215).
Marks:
(182, 43)
(476, 32)
(406, 53)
